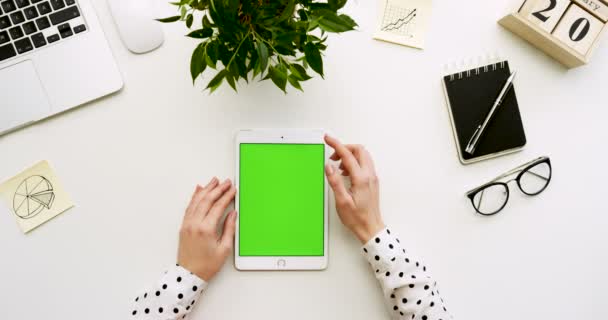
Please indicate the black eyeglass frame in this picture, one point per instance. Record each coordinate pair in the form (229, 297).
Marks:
(521, 169)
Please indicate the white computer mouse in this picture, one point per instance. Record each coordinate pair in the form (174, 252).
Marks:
(135, 22)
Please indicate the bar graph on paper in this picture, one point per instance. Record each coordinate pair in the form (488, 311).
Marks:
(403, 21)
(399, 20)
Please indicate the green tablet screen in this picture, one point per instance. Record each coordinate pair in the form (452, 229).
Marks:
(281, 199)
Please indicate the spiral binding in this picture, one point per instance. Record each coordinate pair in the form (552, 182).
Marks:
(474, 66)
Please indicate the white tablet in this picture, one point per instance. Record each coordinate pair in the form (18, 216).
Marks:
(281, 200)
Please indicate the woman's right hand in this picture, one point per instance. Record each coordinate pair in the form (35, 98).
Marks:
(358, 206)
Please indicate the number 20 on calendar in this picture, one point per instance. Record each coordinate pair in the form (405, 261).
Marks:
(566, 20)
(567, 30)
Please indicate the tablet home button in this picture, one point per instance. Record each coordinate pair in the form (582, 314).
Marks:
(281, 263)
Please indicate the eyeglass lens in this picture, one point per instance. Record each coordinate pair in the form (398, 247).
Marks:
(491, 199)
(535, 179)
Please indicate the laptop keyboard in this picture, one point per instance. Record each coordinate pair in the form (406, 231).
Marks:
(29, 25)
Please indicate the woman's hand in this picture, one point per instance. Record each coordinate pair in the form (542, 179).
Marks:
(201, 250)
(359, 206)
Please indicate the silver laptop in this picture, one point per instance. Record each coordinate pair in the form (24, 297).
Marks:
(53, 57)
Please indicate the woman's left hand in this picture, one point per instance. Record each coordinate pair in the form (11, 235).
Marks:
(202, 250)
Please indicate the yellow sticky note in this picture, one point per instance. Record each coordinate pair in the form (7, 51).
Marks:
(35, 196)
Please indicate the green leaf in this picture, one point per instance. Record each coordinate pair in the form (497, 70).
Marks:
(210, 62)
(314, 23)
(348, 20)
(180, 3)
(233, 7)
(197, 63)
(278, 77)
(331, 22)
(231, 82)
(337, 4)
(256, 70)
(234, 69)
(169, 19)
(217, 80)
(298, 72)
(206, 22)
(211, 55)
(288, 11)
(189, 20)
(313, 57)
(262, 55)
(316, 5)
(242, 67)
(282, 66)
(224, 53)
(201, 33)
(294, 82)
(183, 13)
(217, 12)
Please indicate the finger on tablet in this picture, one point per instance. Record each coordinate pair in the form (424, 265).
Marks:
(337, 184)
(192, 203)
(199, 193)
(344, 171)
(363, 157)
(359, 152)
(345, 155)
(227, 240)
(212, 183)
(219, 207)
(204, 205)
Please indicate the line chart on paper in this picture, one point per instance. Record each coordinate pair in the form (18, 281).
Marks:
(399, 20)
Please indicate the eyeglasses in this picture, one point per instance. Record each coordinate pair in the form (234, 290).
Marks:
(532, 179)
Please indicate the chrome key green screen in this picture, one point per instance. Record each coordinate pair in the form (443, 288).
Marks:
(281, 199)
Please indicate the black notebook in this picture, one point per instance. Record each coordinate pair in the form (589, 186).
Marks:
(470, 95)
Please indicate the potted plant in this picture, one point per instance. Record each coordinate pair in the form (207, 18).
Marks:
(273, 39)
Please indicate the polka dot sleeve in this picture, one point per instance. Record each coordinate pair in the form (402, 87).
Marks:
(409, 290)
(172, 297)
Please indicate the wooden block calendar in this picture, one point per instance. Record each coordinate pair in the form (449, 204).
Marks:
(567, 30)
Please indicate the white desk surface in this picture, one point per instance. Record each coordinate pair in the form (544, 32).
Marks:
(131, 161)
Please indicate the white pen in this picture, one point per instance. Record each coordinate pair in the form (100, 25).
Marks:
(474, 141)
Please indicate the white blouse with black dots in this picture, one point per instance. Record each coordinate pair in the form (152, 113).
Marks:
(409, 290)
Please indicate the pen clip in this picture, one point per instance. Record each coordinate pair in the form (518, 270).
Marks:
(472, 145)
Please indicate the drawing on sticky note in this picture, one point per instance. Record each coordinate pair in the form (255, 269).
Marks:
(403, 22)
(32, 196)
(35, 196)
(399, 20)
